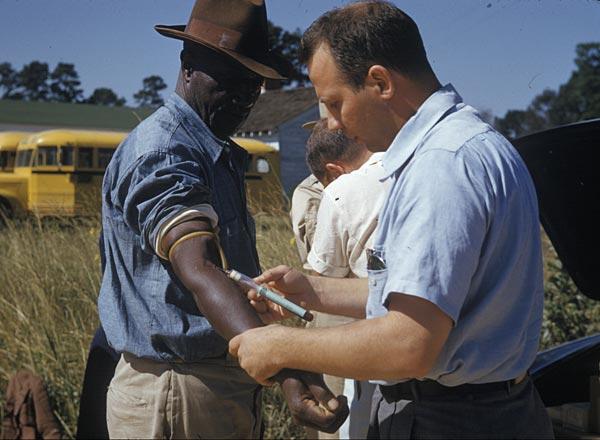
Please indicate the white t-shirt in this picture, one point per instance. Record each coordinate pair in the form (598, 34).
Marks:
(346, 221)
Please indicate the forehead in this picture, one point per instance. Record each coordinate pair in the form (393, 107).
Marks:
(324, 72)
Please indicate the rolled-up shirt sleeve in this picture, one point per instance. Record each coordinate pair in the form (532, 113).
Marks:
(158, 187)
(439, 220)
(327, 255)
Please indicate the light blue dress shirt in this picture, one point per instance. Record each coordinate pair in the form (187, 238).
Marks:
(460, 229)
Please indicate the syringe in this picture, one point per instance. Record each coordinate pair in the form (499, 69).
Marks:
(248, 282)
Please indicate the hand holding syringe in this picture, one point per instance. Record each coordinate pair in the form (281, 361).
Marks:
(269, 294)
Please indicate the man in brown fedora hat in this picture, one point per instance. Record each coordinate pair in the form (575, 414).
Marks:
(174, 210)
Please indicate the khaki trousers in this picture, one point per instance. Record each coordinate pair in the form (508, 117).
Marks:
(214, 398)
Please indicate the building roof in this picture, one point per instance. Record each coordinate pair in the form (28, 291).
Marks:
(274, 107)
(57, 114)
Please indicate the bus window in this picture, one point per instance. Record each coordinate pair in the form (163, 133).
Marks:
(85, 158)
(262, 165)
(249, 167)
(47, 156)
(11, 159)
(3, 160)
(66, 156)
(104, 156)
(24, 158)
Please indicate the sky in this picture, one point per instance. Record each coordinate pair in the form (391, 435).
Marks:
(499, 54)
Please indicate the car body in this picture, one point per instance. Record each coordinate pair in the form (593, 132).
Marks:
(561, 163)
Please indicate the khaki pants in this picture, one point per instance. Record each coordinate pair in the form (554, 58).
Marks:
(210, 399)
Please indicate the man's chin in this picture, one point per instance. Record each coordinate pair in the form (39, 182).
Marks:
(224, 129)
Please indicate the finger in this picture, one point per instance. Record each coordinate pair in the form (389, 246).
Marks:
(260, 306)
(253, 295)
(304, 409)
(273, 274)
(322, 393)
(234, 345)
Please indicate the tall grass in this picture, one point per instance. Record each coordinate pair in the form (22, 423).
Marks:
(49, 278)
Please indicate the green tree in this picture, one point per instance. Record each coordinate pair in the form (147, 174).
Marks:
(105, 96)
(64, 84)
(286, 45)
(536, 117)
(149, 95)
(578, 99)
(568, 314)
(8, 82)
(33, 81)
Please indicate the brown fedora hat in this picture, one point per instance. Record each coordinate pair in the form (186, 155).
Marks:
(237, 28)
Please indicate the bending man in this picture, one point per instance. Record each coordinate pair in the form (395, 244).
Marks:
(454, 296)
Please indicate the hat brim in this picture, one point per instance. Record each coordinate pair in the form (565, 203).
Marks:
(309, 125)
(260, 68)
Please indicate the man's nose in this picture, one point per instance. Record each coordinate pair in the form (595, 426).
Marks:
(246, 96)
(333, 123)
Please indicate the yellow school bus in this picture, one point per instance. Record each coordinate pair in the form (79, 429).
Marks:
(8, 149)
(59, 173)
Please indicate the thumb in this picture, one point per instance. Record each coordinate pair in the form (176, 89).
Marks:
(234, 345)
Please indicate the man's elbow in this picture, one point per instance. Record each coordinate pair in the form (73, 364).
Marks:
(424, 329)
(413, 361)
(415, 354)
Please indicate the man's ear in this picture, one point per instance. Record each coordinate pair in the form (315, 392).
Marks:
(186, 73)
(379, 79)
(334, 170)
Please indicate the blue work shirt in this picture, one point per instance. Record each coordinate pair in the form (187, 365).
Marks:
(460, 229)
(170, 162)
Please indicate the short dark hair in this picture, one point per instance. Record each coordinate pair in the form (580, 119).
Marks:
(365, 33)
(326, 145)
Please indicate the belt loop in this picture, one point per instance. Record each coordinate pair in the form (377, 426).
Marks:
(414, 389)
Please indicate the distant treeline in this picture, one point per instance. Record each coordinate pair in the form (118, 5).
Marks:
(36, 82)
(578, 99)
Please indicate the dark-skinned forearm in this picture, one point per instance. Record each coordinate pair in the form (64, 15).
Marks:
(222, 302)
(218, 298)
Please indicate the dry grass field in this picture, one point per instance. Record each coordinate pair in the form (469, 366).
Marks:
(49, 278)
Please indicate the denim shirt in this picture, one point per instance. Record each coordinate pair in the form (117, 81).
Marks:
(170, 162)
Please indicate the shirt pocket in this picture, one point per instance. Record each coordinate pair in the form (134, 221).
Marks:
(378, 274)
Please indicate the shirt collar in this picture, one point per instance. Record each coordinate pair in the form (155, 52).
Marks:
(412, 133)
(372, 160)
(196, 127)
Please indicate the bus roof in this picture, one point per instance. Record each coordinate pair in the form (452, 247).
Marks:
(76, 138)
(10, 139)
(254, 146)
(106, 139)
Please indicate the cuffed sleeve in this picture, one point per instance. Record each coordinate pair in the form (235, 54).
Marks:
(203, 210)
(159, 186)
